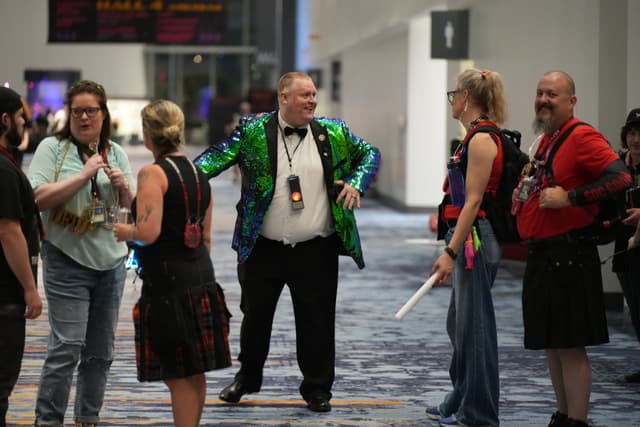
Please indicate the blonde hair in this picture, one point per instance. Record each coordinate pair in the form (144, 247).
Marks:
(486, 90)
(287, 79)
(164, 122)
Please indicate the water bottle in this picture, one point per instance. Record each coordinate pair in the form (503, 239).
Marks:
(456, 182)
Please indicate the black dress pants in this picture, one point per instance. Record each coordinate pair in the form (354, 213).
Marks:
(11, 350)
(310, 269)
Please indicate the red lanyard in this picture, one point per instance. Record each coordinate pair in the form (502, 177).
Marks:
(10, 157)
(184, 187)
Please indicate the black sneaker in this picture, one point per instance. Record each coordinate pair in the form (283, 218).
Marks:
(558, 419)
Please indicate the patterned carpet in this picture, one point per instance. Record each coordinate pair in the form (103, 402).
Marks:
(387, 370)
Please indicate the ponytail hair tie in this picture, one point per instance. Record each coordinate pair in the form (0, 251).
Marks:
(485, 73)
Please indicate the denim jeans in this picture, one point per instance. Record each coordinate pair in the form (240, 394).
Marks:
(471, 326)
(83, 306)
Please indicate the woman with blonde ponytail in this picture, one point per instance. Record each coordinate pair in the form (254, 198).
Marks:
(472, 253)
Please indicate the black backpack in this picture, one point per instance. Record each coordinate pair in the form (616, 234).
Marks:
(498, 205)
(608, 222)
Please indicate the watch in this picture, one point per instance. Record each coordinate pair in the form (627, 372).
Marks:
(450, 252)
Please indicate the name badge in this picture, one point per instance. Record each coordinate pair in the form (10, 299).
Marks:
(97, 213)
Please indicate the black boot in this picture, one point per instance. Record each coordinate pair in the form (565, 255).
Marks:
(575, 423)
(558, 419)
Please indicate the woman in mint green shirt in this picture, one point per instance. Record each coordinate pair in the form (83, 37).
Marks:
(79, 177)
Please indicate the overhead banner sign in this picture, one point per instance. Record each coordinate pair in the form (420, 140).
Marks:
(450, 34)
(138, 21)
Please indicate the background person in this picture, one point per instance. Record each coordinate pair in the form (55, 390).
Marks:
(626, 264)
(19, 247)
(478, 100)
(181, 320)
(76, 176)
(562, 297)
(292, 224)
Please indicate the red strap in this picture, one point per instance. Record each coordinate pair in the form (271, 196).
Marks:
(184, 188)
(10, 157)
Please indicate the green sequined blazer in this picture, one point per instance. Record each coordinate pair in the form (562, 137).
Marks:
(253, 146)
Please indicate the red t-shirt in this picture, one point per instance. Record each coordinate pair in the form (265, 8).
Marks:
(579, 161)
(453, 212)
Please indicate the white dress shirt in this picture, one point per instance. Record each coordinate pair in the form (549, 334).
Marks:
(282, 222)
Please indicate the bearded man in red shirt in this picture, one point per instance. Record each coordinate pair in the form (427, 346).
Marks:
(563, 310)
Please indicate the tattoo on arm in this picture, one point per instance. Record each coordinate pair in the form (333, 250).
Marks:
(143, 175)
(144, 217)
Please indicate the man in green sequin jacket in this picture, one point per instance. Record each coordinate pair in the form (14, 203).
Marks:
(301, 178)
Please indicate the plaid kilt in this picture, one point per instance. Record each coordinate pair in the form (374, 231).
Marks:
(181, 334)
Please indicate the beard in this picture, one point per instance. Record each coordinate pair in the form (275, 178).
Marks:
(542, 124)
(14, 138)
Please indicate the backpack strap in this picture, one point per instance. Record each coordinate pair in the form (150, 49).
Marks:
(492, 130)
(549, 171)
(552, 153)
(483, 129)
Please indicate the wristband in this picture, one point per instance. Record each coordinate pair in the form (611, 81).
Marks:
(571, 195)
(450, 252)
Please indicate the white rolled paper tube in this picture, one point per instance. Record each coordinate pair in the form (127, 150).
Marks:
(416, 297)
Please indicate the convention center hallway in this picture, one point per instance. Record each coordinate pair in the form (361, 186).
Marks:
(387, 370)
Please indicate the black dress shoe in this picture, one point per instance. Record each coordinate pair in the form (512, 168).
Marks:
(319, 404)
(633, 378)
(233, 392)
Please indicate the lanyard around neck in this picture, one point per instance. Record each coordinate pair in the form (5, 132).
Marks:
(549, 145)
(286, 149)
(83, 149)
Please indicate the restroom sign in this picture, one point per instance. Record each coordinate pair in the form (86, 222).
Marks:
(450, 34)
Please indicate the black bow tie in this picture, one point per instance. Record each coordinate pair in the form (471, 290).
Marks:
(300, 131)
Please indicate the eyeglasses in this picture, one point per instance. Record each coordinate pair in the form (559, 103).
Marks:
(91, 112)
(450, 95)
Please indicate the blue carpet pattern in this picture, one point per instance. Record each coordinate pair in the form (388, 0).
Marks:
(387, 370)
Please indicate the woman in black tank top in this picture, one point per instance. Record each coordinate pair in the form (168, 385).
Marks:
(181, 319)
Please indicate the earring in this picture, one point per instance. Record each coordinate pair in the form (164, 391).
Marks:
(466, 105)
